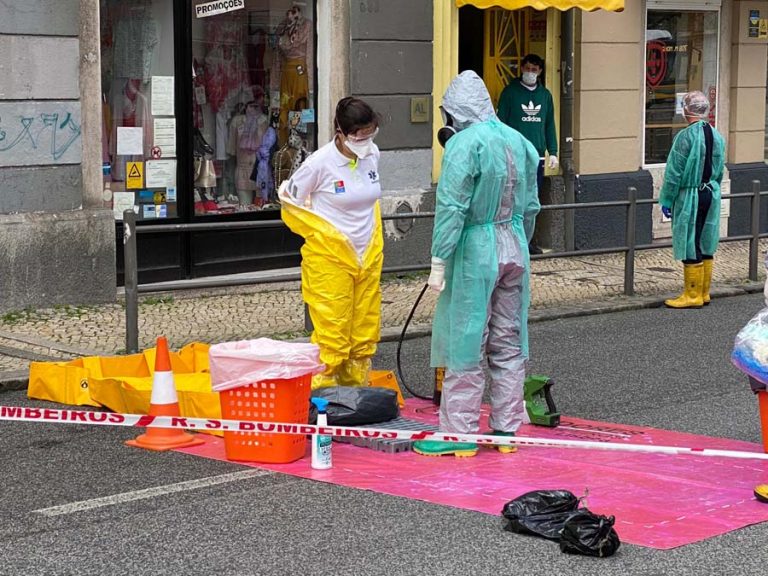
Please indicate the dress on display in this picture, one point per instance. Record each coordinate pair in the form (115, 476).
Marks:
(225, 64)
(246, 132)
(262, 171)
(225, 73)
(135, 38)
(294, 68)
(130, 108)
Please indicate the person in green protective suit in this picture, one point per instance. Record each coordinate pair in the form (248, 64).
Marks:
(690, 196)
(486, 206)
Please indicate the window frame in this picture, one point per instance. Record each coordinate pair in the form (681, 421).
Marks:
(678, 6)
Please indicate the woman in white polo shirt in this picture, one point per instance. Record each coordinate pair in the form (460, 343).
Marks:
(332, 201)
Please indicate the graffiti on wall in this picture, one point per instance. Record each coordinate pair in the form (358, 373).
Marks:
(40, 133)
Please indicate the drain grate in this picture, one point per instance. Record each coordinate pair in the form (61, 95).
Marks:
(389, 446)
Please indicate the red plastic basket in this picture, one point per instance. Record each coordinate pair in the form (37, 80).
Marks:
(268, 401)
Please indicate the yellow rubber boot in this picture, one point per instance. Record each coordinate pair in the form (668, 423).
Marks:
(692, 295)
(707, 280)
(354, 372)
(507, 449)
(324, 379)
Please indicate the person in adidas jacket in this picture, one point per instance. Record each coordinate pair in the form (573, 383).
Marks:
(527, 106)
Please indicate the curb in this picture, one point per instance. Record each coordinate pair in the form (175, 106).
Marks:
(18, 379)
(14, 380)
(616, 304)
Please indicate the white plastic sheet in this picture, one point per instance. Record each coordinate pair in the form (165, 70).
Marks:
(235, 364)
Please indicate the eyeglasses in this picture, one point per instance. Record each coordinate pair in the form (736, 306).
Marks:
(358, 139)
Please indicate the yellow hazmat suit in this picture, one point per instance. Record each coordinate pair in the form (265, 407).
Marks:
(343, 293)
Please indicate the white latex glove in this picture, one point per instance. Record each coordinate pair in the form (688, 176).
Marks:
(436, 279)
(553, 162)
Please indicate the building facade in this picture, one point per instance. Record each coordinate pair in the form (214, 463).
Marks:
(191, 112)
(56, 244)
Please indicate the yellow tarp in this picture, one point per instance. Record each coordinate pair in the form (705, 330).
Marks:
(124, 383)
(589, 5)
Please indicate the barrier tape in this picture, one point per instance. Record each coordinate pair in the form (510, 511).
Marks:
(58, 416)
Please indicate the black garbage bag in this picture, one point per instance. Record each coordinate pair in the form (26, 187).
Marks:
(356, 406)
(541, 512)
(590, 534)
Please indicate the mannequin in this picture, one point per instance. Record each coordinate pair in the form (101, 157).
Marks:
(295, 63)
(246, 132)
(289, 157)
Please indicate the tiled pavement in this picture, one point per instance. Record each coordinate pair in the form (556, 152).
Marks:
(559, 287)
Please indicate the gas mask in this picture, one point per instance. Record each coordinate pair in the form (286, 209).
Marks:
(448, 130)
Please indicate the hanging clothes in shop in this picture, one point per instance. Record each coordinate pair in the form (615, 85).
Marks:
(225, 64)
(130, 108)
(136, 34)
(262, 170)
(246, 132)
(292, 74)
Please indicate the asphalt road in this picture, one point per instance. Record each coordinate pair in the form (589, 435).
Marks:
(654, 367)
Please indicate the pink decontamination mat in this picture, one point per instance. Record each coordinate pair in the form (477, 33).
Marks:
(659, 501)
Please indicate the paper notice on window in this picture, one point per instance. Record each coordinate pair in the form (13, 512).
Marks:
(121, 201)
(162, 96)
(165, 136)
(130, 141)
(160, 174)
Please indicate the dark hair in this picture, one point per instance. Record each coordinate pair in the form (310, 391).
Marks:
(353, 114)
(534, 59)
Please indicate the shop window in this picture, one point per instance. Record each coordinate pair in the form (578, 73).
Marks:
(252, 103)
(139, 122)
(681, 56)
(251, 86)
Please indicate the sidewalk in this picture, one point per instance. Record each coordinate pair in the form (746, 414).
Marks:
(559, 288)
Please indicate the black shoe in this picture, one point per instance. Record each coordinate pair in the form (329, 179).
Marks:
(199, 144)
(534, 249)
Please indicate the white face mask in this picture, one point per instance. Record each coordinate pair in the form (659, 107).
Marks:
(361, 148)
(530, 78)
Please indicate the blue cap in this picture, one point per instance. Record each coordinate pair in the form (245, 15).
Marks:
(320, 403)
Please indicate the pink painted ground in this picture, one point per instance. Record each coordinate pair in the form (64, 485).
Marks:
(659, 501)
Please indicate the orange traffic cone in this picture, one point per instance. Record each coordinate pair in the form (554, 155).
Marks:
(762, 399)
(164, 402)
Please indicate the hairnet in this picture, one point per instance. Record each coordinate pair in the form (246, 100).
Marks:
(696, 104)
(467, 100)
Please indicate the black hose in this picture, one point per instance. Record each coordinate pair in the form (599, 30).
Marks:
(400, 344)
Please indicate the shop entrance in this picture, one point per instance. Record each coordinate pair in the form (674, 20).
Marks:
(493, 42)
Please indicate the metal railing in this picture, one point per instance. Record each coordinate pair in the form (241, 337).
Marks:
(630, 248)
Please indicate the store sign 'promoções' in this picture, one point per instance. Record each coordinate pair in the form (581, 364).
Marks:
(218, 7)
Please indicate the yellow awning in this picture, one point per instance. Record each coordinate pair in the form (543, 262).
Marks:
(589, 5)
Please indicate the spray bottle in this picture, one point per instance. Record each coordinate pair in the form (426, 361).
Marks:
(321, 444)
